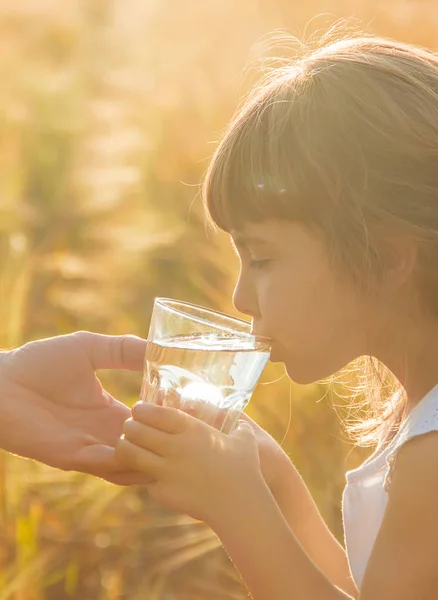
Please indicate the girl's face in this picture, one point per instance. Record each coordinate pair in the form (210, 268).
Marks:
(317, 321)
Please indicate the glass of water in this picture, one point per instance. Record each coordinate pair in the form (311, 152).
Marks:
(202, 361)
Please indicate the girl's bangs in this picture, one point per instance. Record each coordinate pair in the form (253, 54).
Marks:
(257, 172)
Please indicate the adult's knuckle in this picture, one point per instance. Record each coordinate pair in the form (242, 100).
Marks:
(83, 336)
(114, 350)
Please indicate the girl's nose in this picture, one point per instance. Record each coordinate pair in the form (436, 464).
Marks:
(244, 299)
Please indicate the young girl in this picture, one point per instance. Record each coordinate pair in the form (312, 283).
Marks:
(327, 181)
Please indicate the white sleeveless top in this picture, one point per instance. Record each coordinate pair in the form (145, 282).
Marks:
(366, 493)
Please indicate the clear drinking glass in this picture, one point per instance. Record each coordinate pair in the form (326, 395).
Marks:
(202, 361)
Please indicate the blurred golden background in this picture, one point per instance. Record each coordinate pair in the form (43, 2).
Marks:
(109, 112)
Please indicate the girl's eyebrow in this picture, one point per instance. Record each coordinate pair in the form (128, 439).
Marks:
(247, 240)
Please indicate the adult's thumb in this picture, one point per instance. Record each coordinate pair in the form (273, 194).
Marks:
(114, 351)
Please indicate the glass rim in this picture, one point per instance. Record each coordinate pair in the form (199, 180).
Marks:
(167, 303)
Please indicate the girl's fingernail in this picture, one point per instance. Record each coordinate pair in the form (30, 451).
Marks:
(139, 408)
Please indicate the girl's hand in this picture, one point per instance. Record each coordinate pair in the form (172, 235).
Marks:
(195, 468)
(275, 465)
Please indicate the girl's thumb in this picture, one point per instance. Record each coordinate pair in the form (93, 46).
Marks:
(243, 429)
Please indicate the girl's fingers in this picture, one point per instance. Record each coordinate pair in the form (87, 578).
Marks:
(146, 437)
(170, 420)
(138, 459)
(168, 398)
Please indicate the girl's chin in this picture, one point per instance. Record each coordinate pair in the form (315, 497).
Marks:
(306, 369)
(278, 353)
(275, 356)
(297, 371)
(301, 374)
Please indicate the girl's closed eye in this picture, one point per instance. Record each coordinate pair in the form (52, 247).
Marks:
(259, 264)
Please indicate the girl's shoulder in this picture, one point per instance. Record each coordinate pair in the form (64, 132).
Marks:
(422, 419)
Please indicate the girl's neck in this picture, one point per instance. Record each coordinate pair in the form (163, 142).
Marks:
(412, 356)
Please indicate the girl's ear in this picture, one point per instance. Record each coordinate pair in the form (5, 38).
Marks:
(399, 252)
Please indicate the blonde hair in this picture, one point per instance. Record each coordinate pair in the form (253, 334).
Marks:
(343, 140)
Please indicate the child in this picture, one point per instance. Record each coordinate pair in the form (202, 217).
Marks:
(327, 181)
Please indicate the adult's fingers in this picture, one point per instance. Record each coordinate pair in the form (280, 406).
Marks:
(114, 351)
(128, 478)
(101, 461)
(95, 459)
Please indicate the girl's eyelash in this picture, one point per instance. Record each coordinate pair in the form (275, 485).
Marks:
(259, 264)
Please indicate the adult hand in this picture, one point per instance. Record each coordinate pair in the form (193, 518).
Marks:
(54, 409)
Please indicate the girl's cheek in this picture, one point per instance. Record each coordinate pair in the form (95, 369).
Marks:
(271, 288)
(279, 305)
